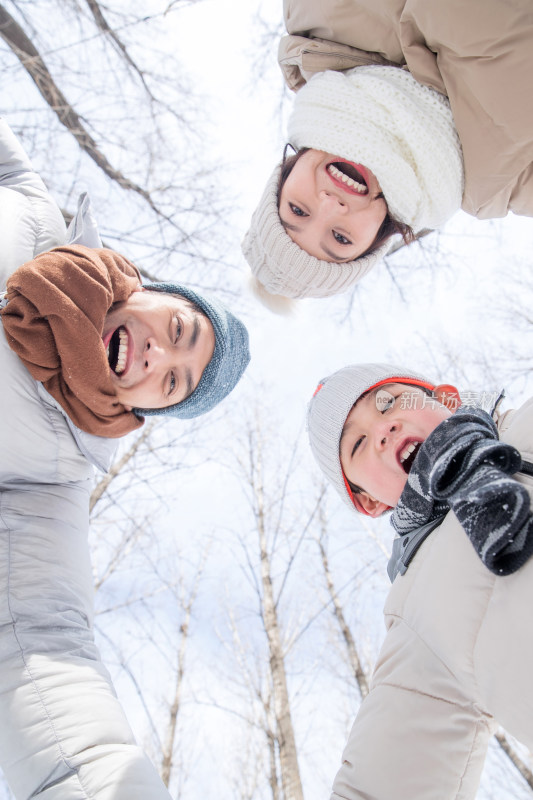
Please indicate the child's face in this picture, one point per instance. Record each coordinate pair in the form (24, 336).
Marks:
(381, 437)
(331, 207)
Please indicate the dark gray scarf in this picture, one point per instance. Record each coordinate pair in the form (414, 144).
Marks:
(463, 466)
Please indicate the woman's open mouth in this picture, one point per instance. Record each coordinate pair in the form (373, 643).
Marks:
(348, 175)
(408, 455)
(117, 350)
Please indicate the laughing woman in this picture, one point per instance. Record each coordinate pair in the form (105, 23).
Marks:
(403, 115)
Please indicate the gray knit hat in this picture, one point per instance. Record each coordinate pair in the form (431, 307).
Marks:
(282, 267)
(228, 362)
(331, 404)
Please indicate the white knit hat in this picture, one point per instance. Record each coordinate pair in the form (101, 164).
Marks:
(282, 267)
(331, 403)
(399, 129)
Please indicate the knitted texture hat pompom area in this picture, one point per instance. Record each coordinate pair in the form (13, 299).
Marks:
(332, 402)
(382, 118)
(228, 362)
(404, 132)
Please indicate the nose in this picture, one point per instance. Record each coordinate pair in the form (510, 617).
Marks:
(384, 434)
(331, 202)
(154, 355)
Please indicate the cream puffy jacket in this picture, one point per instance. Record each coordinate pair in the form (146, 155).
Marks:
(457, 659)
(63, 733)
(478, 53)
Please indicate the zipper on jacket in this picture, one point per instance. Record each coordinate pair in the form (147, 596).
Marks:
(405, 547)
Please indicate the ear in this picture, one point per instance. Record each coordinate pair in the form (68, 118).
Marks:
(448, 396)
(368, 505)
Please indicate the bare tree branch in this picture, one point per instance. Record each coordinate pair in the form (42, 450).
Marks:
(118, 466)
(353, 656)
(515, 759)
(102, 25)
(167, 760)
(35, 66)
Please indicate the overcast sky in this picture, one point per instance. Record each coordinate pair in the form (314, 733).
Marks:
(436, 305)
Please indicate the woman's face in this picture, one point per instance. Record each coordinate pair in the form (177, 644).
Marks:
(331, 208)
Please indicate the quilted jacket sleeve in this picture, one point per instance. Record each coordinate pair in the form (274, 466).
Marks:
(416, 737)
(485, 76)
(30, 219)
(64, 734)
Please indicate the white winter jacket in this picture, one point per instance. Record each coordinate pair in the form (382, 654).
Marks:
(63, 733)
(457, 659)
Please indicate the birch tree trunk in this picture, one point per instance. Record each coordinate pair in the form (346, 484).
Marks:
(353, 656)
(186, 603)
(290, 773)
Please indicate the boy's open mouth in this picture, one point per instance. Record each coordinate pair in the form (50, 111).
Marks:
(348, 175)
(117, 350)
(408, 455)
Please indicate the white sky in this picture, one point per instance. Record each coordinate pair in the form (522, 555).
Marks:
(450, 307)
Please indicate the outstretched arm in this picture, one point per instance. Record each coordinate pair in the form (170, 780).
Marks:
(64, 734)
(416, 735)
(30, 219)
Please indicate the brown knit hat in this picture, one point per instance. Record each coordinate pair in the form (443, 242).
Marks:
(283, 268)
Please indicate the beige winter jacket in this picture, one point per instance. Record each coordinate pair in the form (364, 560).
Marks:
(457, 659)
(480, 54)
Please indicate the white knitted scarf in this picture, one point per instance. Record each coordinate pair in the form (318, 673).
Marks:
(382, 118)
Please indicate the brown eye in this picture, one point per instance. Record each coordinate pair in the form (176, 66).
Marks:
(297, 211)
(385, 400)
(179, 330)
(340, 238)
(388, 404)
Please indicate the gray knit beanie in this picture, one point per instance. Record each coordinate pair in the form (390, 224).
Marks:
(228, 362)
(282, 267)
(331, 404)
